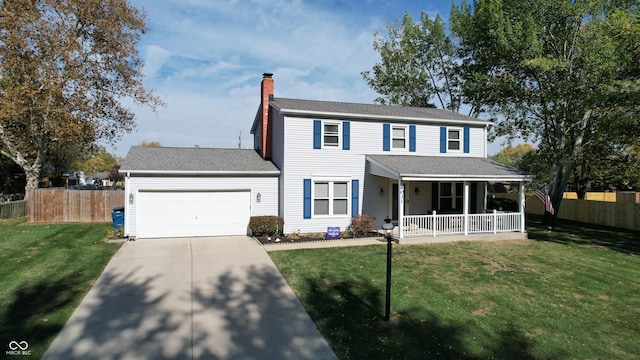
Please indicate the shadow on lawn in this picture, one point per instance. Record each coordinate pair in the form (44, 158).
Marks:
(25, 318)
(261, 321)
(569, 232)
(350, 314)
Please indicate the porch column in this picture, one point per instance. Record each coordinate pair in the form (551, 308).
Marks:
(484, 196)
(522, 205)
(400, 208)
(465, 206)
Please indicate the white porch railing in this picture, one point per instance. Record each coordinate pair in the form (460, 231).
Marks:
(423, 225)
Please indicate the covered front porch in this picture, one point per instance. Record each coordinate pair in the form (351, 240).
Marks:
(436, 197)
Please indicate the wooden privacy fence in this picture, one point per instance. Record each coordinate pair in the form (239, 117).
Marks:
(13, 209)
(61, 205)
(624, 213)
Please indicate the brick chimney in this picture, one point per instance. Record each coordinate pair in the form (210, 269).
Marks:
(265, 137)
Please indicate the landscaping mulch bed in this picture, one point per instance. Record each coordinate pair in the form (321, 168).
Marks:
(287, 239)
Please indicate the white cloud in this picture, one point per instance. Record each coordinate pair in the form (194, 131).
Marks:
(154, 58)
(206, 59)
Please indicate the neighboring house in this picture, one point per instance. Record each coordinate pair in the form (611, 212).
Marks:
(75, 178)
(102, 179)
(317, 164)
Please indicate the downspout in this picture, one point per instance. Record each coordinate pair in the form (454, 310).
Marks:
(126, 203)
(400, 208)
(485, 142)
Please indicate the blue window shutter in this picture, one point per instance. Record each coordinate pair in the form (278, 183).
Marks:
(355, 193)
(466, 140)
(412, 138)
(346, 135)
(307, 199)
(386, 137)
(443, 139)
(317, 134)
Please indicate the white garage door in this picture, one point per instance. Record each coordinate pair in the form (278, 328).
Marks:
(197, 213)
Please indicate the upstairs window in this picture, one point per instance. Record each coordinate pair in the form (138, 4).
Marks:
(331, 135)
(454, 139)
(399, 137)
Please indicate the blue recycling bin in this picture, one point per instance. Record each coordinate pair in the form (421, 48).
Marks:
(118, 218)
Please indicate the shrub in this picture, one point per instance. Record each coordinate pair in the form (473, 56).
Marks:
(266, 225)
(115, 234)
(362, 224)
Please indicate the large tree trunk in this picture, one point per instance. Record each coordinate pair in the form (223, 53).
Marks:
(31, 171)
(555, 192)
(560, 171)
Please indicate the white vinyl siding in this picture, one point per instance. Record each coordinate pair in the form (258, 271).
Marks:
(277, 154)
(300, 162)
(428, 142)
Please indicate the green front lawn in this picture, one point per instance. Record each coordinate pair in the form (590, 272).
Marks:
(571, 293)
(45, 272)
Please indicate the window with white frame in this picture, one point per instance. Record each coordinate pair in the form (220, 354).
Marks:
(450, 196)
(454, 139)
(399, 137)
(331, 134)
(330, 198)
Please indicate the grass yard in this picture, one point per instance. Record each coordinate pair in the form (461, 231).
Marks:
(573, 293)
(45, 272)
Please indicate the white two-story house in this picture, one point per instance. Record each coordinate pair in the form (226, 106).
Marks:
(317, 164)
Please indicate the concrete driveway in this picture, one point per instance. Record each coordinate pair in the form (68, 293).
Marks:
(190, 298)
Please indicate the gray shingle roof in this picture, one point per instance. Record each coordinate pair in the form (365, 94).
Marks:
(173, 159)
(447, 166)
(371, 110)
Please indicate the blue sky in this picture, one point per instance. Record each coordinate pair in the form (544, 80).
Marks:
(205, 59)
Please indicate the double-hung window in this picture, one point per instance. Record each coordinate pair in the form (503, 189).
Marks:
(451, 196)
(454, 139)
(330, 198)
(399, 137)
(331, 134)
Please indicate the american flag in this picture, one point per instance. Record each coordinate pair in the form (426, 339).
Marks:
(546, 200)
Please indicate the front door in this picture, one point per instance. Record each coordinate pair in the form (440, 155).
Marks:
(394, 202)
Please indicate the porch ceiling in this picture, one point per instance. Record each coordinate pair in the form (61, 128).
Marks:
(443, 168)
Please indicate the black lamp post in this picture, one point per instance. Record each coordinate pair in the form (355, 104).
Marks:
(388, 229)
